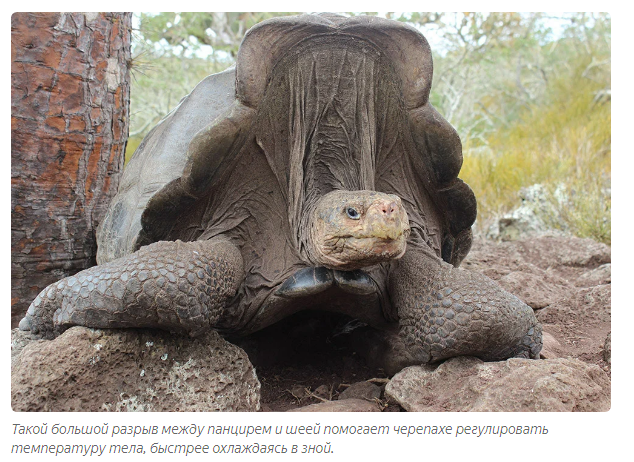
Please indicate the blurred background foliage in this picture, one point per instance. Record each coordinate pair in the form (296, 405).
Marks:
(530, 96)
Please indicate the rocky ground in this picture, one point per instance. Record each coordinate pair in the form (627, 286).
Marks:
(309, 362)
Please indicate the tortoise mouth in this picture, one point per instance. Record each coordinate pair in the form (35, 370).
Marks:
(378, 244)
(382, 245)
(351, 253)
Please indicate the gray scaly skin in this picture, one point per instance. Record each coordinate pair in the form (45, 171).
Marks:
(177, 286)
(445, 311)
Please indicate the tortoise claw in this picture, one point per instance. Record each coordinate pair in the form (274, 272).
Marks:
(39, 317)
(355, 282)
(305, 282)
(314, 280)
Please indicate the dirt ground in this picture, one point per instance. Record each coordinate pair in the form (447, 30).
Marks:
(310, 358)
(307, 359)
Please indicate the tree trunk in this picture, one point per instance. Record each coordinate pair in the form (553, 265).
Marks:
(69, 124)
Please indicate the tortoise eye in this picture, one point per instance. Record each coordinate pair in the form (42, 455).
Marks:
(352, 213)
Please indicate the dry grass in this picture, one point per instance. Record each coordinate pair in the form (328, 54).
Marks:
(566, 142)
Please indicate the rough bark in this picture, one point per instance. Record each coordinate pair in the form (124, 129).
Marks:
(69, 125)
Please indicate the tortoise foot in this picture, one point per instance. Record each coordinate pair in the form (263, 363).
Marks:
(446, 312)
(176, 286)
(39, 317)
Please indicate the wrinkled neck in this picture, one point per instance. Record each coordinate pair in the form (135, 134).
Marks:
(307, 233)
(333, 93)
(320, 124)
(335, 127)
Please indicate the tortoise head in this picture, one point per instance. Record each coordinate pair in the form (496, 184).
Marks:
(355, 229)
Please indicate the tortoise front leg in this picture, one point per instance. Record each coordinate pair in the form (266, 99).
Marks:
(176, 286)
(445, 311)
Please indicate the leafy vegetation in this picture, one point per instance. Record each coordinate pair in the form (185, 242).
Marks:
(528, 93)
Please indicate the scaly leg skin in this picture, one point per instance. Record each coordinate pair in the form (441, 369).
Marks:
(444, 312)
(176, 286)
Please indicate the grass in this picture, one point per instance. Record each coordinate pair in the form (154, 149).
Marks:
(565, 143)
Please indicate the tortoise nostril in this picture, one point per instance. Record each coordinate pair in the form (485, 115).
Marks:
(389, 208)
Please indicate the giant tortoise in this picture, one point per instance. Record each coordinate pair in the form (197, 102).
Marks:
(313, 175)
